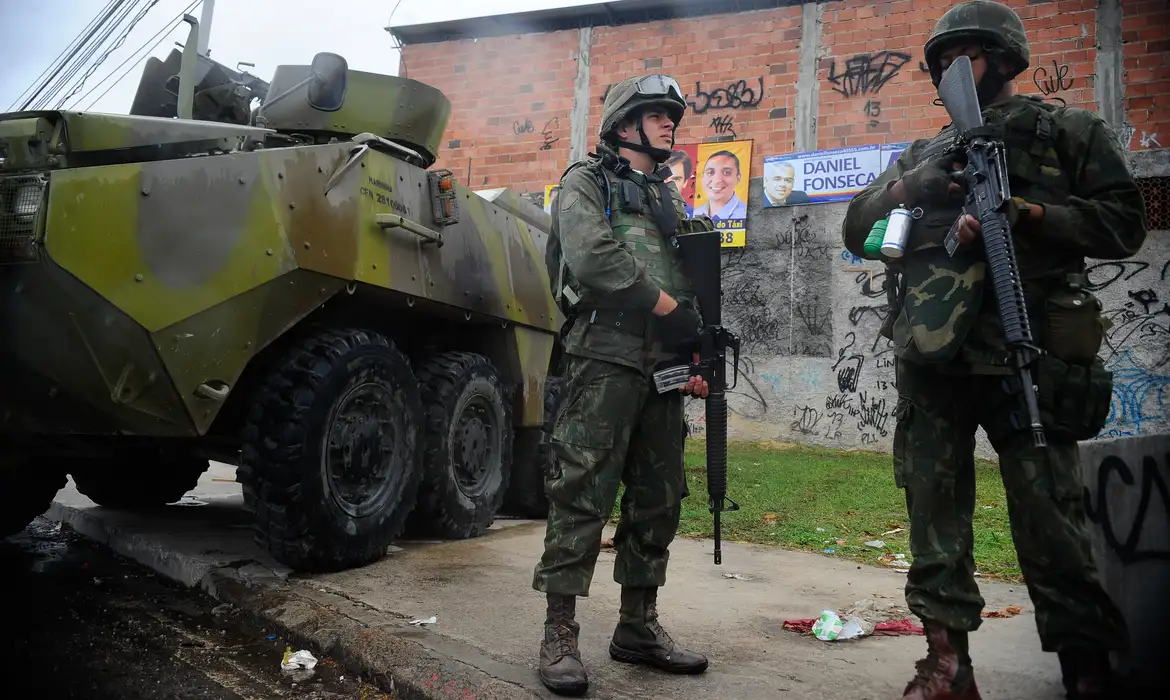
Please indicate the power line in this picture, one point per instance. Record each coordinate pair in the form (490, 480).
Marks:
(158, 38)
(59, 85)
(52, 63)
(397, 43)
(117, 44)
(112, 7)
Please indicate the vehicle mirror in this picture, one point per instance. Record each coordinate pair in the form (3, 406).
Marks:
(327, 89)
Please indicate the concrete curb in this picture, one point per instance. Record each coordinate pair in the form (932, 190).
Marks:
(408, 662)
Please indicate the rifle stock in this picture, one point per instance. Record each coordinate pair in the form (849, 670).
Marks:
(987, 191)
(701, 252)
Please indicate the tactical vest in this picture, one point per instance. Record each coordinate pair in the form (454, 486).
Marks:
(638, 233)
(948, 303)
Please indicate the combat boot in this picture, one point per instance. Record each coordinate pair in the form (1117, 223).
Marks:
(1087, 674)
(639, 639)
(561, 669)
(945, 673)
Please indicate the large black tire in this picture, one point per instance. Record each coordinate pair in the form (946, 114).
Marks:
(468, 456)
(304, 438)
(26, 490)
(533, 462)
(138, 477)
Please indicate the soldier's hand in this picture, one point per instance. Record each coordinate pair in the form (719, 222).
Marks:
(680, 328)
(697, 386)
(969, 229)
(930, 182)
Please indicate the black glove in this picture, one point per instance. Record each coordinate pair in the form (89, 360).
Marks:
(680, 328)
(931, 183)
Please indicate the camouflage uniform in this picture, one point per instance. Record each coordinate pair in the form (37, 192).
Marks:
(613, 426)
(953, 373)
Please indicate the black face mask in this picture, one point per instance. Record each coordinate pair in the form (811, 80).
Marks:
(991, 84)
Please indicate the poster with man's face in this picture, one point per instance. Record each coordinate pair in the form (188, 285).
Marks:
(550, 197)
(721, 190)
(682, 172)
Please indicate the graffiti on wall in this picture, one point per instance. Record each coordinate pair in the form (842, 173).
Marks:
(724, 126)
(737, 95)
(1136, 348)
(1051, 82)
(526, 127)
(866, 74)
(1126, 527)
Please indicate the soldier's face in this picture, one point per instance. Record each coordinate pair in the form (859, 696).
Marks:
(658, 127)
(971, 51)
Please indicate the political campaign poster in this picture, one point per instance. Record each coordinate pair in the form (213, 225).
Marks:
(820, 177)
(550, 196)
(721, 189)
(682, 172)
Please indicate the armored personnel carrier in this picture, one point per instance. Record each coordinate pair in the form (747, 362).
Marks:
(291, 289)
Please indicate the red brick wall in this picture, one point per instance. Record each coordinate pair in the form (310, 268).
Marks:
(501, 85)
(872, 86)
(718, 52)
(510, 102)
(1145, 31)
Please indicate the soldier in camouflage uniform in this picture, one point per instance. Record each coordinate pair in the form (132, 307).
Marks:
(1073, 197)
(630, 307)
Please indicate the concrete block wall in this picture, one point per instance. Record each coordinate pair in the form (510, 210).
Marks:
(798, 77)
(1127, 501)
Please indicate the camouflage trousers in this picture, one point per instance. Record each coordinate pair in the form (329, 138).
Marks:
(612, 428)
(934, 441)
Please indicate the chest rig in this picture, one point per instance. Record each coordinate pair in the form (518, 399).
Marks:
(644, 214)
(935, 299)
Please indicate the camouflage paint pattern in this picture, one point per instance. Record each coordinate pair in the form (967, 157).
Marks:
(617, 263)
(934, 462)
(1092, 208)
(199, 262)
(612, 428)
(400, 109)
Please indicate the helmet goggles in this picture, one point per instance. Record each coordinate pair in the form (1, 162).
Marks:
(658, 85)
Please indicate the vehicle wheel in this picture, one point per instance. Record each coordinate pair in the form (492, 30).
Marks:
(332, 454)
(138, 477)
(468, 457)
(533, 462)
(26, 491)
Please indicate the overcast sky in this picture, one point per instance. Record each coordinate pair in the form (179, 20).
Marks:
(264, 32)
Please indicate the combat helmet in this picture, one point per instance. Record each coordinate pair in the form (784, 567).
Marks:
(994, 25)
(632, 95)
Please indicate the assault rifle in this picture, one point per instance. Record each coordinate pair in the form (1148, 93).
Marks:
(985, 180)
(701, 257)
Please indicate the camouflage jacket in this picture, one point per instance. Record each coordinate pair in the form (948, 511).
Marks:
(1063, 158)
(615, 263)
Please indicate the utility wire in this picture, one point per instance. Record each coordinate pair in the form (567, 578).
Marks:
(117, 45)
(60, 84)
(104, 17)
(63, 52)
(397, 43)
(158, 38)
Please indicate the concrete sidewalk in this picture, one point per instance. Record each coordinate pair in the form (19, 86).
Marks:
(485, 642)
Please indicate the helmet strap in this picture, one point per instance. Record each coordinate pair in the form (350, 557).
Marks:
(658, 155)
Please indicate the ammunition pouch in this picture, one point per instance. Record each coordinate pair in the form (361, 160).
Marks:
(1074, 399)
(1073, 327)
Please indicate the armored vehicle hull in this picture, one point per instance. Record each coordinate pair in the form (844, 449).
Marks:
(366, 338)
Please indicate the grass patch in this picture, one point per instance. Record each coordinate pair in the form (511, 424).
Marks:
(786, 492)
